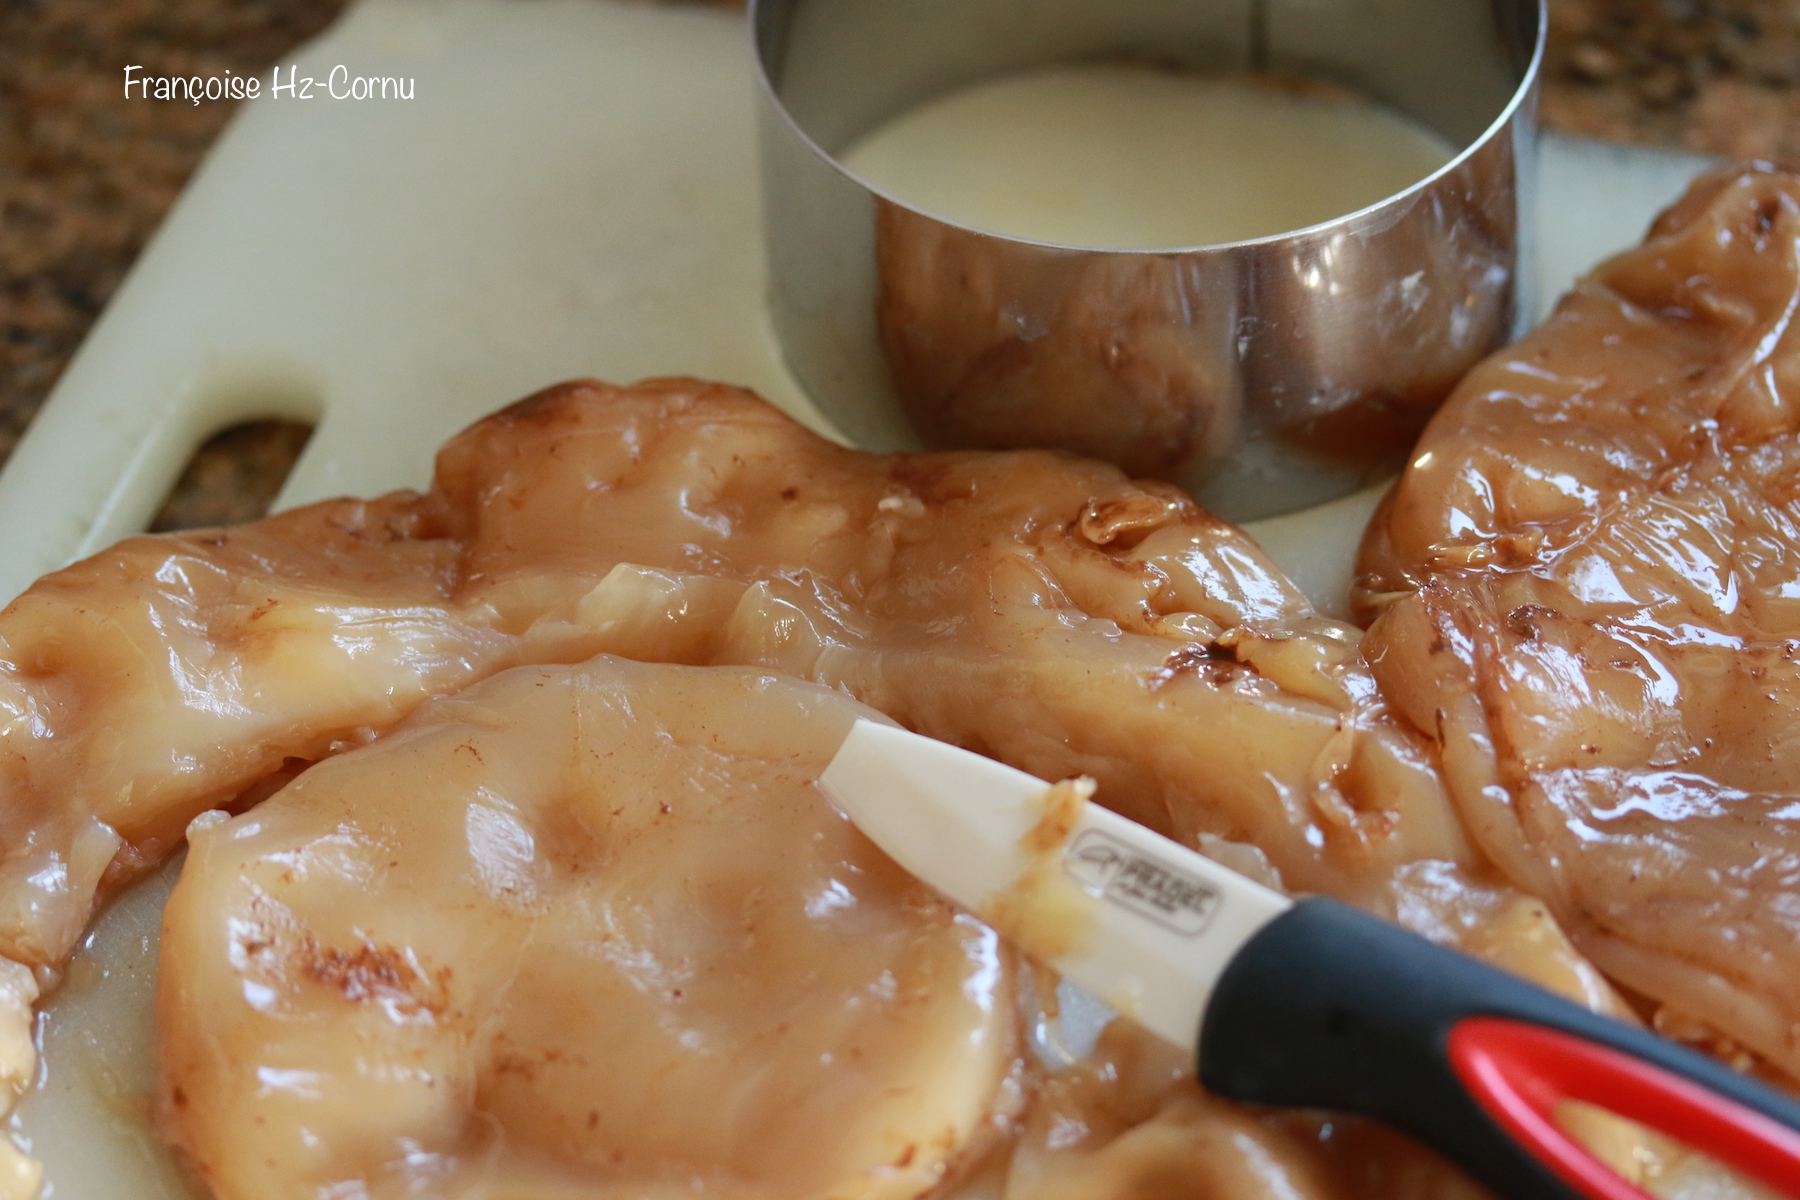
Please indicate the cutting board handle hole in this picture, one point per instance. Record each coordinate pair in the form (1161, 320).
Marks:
(233, 476)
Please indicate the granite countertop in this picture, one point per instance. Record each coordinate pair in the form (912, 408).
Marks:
(1716, 76)
(86, 176)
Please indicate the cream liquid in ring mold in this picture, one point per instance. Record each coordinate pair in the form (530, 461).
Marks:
(1132, 158)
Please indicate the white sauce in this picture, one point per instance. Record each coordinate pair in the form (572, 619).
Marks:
(1129, 157)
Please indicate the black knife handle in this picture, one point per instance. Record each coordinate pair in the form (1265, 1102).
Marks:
(1328, 1007)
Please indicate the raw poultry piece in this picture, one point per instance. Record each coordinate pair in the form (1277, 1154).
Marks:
(1586, 588)
(593, 931)
(1040, 608)
(578, 931)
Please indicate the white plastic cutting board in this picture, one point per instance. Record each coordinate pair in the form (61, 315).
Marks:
(572, 192)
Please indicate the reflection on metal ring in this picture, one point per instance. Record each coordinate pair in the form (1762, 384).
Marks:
(1263, 376)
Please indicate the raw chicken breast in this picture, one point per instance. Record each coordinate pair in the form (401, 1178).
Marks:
(1040, 608)
(166, 675)
(592, 931)
(585, 931)
(1587, 590)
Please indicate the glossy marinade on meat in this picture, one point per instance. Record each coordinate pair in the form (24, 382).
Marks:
(1042, 609)
(1586, 590)
(593, 931)
(1039, 608)
(576, 931)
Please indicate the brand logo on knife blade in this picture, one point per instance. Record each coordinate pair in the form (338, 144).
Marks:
(1128, 877)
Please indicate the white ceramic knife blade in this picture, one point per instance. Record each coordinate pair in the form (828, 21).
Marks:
(1143, 923)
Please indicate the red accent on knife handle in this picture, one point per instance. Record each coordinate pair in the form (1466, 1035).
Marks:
(1328, 1007)
(1519, 1073)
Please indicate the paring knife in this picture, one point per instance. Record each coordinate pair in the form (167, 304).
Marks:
(1307, 1004)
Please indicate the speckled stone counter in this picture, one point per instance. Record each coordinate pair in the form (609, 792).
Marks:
(85, 175)
(1717, 76)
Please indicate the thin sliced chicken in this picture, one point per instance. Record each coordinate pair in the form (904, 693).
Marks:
(166, 675)
(1588, 588)
(1040, 608)
(577, 931)
(592, 931)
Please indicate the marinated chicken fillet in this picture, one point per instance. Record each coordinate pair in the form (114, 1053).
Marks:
(586, 931)
(165, 676)
(1042, 609)
(1587, 591)
(593, 932)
